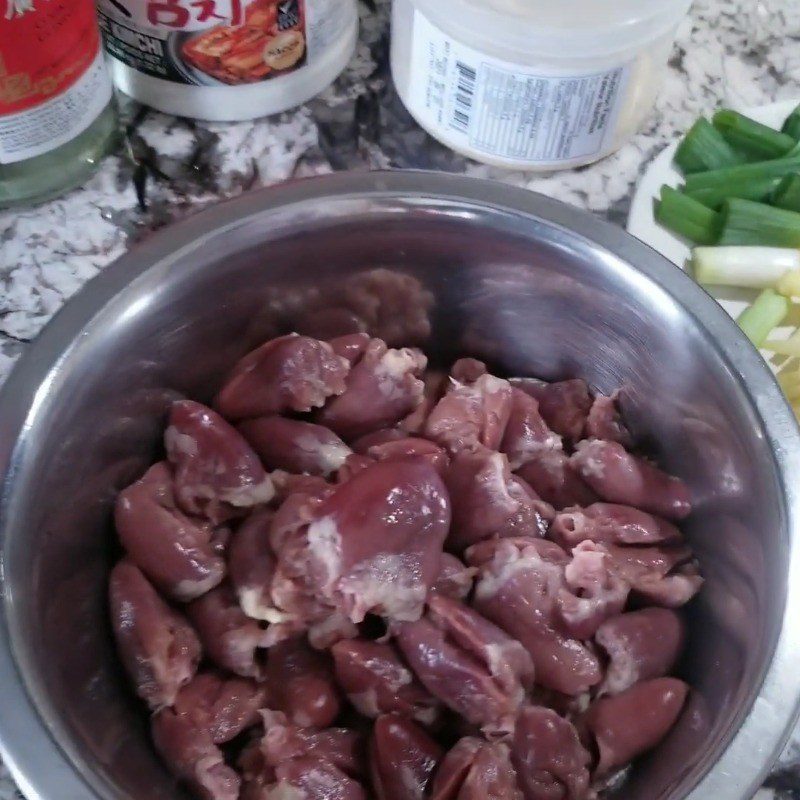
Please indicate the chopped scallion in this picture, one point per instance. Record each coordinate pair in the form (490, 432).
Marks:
(789, 284)
(786, 347)
(687, 217)
(747, 181)
(766, 313)
(748, 223)
(787, 193)
(704, 148)
(757, 189)
(791, 125)
(757, 141)
(745, 267)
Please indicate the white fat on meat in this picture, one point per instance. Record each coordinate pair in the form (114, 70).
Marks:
(393, 366)
(592, 462)
(593, 583)
(248, 496)
(427, 716)
(306, 718)
(331, 456)
(389, 583)
(177, 442)
(508, 561)
(285, 791)
(279, 632)
(189, 590)
(241, 644)
(366, 703)
(409, 780)
(588, 567)
(493, 479)
(319, 387)
(500, 661)
(212, 773)
(671, 591)
(325, 547)
(491, 384)
(580, 703)
(497, 658)
(251, 600)
(533, 448)
(623, 671)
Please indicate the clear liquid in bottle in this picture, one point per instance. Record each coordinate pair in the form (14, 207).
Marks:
(57, 111)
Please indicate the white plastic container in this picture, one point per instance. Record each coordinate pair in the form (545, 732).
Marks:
(532, 84)
(227, 60)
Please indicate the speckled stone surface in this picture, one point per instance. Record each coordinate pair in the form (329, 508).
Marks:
(731, 52)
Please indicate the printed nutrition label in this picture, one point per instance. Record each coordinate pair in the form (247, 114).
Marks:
(505, 109)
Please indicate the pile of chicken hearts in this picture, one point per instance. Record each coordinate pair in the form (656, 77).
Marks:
(358, 577)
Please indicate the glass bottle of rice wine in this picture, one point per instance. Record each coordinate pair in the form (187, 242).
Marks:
(57, 111)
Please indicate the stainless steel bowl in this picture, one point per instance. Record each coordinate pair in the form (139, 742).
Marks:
(532, 285)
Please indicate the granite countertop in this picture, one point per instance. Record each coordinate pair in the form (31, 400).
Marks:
(730, 52)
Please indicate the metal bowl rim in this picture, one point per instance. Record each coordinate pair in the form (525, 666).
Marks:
(25, 742)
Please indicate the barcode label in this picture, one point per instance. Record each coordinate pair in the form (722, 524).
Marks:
(504, 109)
(465, 93)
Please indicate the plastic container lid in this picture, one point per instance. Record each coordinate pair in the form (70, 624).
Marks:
(558, 28)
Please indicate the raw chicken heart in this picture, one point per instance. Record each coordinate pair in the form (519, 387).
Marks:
(158, 647)
(619, 477)
(564, 405)
(550, 760)
(476, 770)
(294, 445)
(403, 758)
(221, 706)
(291, 373)
(217, 474)
(526, 434)
(282, 742)
(382, 388)
(377, 681)
(301, 684)
(491, 501)
(611, 523)
(375, 543)
(519, 586)
(193, 757)
(230, 638)
(468, 663)
(173, 550)
(630, 723)
(641, 645)
(471, 415)
(550, 474)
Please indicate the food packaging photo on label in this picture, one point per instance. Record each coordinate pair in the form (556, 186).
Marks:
(227, 59)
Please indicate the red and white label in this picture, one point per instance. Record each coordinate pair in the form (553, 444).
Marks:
(183, 15)
(212, 42)
(53, 82)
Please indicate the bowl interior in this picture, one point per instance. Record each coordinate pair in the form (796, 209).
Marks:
(527, 295)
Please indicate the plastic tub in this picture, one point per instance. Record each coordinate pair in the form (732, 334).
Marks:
(172, 55)
(532, 84)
